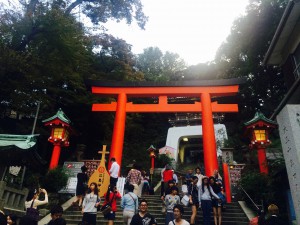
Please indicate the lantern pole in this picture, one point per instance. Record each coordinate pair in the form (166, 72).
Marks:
(262, 160)
(55, 156)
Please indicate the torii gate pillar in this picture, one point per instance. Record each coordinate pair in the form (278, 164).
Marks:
(209, 140)
(119, 130)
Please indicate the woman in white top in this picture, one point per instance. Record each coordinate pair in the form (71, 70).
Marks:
(178, 213)
(199, 175)
(206, 196)
(33, 195)
(32, 199)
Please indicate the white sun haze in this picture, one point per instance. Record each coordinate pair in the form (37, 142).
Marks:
(194, 29)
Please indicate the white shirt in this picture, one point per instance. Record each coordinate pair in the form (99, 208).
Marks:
(206, 195)
(114, 170)
(36, 202)
(183, 222)
(200, 176)
(175, 178)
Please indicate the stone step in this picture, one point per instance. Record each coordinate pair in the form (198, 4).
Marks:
(232, 215)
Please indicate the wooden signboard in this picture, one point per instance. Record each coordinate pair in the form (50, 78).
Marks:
(101, 176)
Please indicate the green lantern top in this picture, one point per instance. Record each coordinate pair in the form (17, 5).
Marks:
(260, 117)
(59, 115)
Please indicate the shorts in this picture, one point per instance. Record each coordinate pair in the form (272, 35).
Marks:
(196, 204)
(215, 203)
(110, 216)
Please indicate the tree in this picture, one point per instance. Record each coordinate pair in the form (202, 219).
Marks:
(114, 59)
(48, 69)
(159, 66)
(243, 52)
(98, 11)
(173, 65)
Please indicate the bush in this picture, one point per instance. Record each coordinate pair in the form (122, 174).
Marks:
(162, 160)
(55, 180)
(258, 186)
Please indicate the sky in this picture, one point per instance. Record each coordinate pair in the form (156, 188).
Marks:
(194, 29)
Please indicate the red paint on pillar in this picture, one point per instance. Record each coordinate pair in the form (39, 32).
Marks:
(227, 182)
(152, 162)
(55, 156)
(262, 160)
(119, 129)
(208, 133)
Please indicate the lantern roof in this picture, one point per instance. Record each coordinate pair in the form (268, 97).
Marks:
(151, 148)
(59, 115)
(260, 117)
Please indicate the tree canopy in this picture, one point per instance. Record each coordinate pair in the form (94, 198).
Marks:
(242, 54)
(99, 11)
(159, 66)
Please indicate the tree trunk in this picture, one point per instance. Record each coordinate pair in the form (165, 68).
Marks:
(72, 6)
(31, 7)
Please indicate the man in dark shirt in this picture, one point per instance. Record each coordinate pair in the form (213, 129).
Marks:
(273, 218)
(143, 217)
(188, 177)
(274, 213)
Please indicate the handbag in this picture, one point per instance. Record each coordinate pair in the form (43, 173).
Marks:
(105, 209)
(185, 200)
(33, 213)
(222, 197)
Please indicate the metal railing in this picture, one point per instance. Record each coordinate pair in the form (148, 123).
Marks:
(255, 205)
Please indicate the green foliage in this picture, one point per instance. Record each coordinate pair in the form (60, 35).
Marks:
(271, 188)
(159, 66)
(163, 160)
(55, 180)
(255, 179)
(242, 56)
(114, 59)
(98, 11)
(31, 180)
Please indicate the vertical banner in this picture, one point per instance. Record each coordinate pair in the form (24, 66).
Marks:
(235, 174)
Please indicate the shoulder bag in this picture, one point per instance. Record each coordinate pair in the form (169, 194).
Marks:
(105, 209)
(134, 203)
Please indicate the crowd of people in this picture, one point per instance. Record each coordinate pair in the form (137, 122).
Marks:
(197, 192)
(201, 191)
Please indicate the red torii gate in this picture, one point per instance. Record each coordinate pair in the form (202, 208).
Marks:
(206, 90)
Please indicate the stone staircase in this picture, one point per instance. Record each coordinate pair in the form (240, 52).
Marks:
(233, 214)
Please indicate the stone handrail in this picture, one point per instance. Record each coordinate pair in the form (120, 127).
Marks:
(12, 198)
